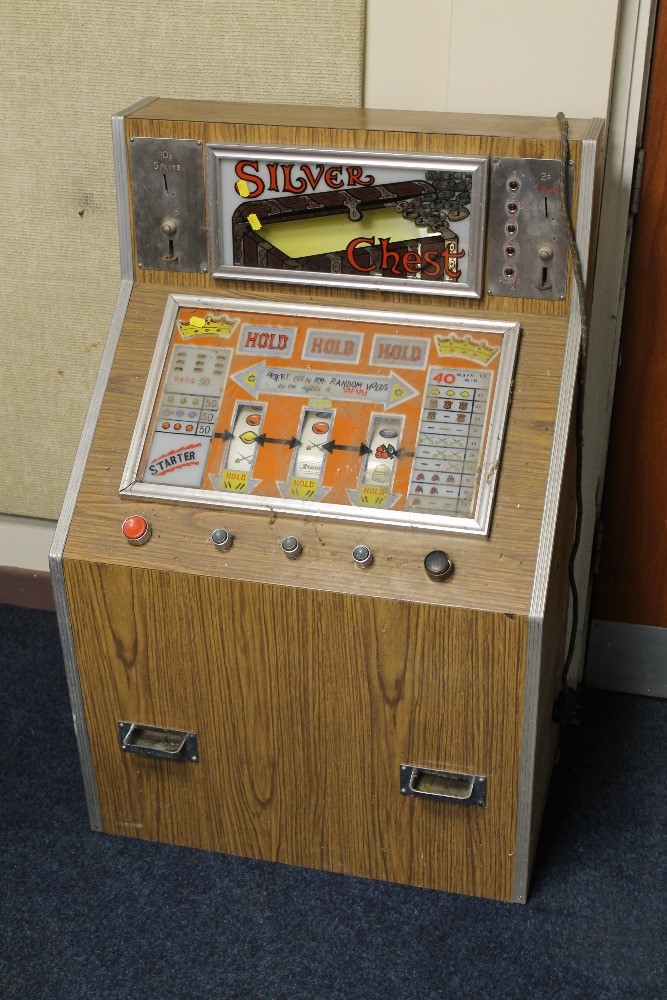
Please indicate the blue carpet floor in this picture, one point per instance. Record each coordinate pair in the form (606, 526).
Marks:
(84, 915)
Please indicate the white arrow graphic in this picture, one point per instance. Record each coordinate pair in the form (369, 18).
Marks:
(388, 390)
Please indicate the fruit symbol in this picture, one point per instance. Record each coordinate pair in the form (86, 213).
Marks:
(385, 451)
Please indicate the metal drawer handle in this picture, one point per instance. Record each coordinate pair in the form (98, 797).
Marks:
(154, 741)
(445, 786)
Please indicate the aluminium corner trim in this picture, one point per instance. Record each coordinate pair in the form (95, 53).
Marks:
(123, 186)
(585, 229)
(58, 546)
(534, 650)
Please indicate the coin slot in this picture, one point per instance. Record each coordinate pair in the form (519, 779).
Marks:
(170, 257)
(544, 284)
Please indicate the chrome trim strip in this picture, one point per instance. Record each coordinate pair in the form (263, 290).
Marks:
(585, 230)
(128, 479)
(126, 112)
(477, 525)
(123, 187)
(56, 556)
(470, 321)
(62, 528)
(74, 687)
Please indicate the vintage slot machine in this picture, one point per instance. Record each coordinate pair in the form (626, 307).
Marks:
(311, 572)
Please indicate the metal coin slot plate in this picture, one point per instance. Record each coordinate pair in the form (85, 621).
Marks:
(444, 786)
(154, 741)
(169, 204)
(527, 241)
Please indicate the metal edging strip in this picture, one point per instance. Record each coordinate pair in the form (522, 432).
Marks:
(584, 228)
(90, 422)
(123, 187)
(56, 556)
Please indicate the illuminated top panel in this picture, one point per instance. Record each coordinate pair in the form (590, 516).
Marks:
(363, 415)
(333, 217)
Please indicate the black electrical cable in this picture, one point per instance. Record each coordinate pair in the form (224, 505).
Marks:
(580, 387)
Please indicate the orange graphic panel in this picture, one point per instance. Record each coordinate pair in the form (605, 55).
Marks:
(325, 409)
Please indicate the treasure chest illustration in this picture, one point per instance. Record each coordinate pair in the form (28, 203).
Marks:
(399, 230)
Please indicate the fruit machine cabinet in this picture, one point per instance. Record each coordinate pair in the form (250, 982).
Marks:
(311, 570)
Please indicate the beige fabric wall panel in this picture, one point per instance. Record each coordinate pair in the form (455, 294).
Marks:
(65, 69)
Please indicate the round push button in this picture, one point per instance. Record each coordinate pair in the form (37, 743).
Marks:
(291, 546)
(362, 556)
(222, 539)
(136, 529)
(438, 565)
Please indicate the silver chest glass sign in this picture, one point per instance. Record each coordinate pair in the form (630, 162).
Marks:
(365, 220)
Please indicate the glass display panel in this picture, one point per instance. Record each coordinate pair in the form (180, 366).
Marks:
(332, 217)
(361, 415)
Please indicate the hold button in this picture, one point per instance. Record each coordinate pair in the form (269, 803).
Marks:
(438, 565)
(362, 556)
(291, 546)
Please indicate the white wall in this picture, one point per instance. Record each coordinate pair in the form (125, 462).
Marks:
(529, 58)
(407, 54)
(522, 58)
(25, 542)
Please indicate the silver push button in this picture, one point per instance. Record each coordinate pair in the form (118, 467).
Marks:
(438, 565)
(362, 556)
(291, 546)
(222, 539)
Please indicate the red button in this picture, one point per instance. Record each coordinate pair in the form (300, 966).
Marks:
(136, 529)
